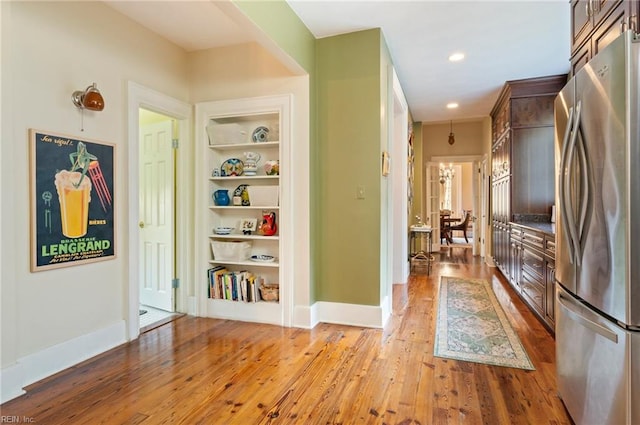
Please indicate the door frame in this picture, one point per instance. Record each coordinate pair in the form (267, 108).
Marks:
(143, 97)
(476, 161)
(398, 209)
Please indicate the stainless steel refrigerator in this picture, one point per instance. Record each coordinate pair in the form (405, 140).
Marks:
(598, 238)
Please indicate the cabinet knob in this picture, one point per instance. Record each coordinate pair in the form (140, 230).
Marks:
(141, 225)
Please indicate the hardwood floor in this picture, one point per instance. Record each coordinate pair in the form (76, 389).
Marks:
(207, 371)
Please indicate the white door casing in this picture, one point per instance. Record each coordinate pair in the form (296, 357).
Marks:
(432, 175)
(156, 223)
(149, 99)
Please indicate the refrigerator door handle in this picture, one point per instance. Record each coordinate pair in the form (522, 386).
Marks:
(561, 188)
(569, 212)
(584, 184)
(570, 310)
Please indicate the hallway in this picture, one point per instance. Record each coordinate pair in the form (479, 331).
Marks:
(197, 370)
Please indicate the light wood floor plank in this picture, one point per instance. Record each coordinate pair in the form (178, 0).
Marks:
(207, 371)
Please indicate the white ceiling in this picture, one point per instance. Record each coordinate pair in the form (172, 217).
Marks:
(502, 40)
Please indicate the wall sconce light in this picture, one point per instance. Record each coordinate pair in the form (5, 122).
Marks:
(452, 138)
(90, 98)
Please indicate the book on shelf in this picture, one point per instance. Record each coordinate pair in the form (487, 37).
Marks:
(215, 287)
(234, 285)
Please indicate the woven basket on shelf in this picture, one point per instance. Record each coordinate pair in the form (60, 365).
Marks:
(270, 292)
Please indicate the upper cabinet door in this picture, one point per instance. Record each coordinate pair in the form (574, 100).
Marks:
(586, 15)
(581, 22)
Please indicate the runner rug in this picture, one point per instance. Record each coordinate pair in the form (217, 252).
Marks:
(472, 326)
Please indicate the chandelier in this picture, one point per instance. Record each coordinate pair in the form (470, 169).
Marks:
(446, 173)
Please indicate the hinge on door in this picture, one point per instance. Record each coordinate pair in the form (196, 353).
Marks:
(174, 143)
(175, 283)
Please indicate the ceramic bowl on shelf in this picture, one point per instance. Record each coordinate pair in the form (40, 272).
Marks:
(223, 230)
(260, 134)
(261, 258)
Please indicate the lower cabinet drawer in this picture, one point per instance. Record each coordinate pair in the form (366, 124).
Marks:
(533, 290)
(533, 263)
(534, 239)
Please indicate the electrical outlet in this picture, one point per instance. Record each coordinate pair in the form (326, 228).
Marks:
(360, 192)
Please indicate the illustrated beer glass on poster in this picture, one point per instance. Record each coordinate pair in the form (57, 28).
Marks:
(72, 201)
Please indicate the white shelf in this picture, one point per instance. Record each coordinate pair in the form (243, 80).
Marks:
(229, 178)
(245, 263)
(240, 207)
(232, 122)
(232, 146)
(240, 236)
(261, 311)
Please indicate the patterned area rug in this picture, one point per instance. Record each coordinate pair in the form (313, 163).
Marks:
(472, 326)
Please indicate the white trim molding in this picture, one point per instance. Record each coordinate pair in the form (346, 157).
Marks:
(51, 360)
(369, 316)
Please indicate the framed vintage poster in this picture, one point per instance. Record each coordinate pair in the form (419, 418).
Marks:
(72, 200)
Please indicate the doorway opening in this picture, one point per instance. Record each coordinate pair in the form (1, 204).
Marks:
(458, 186)
(160, 216)
(156, 194)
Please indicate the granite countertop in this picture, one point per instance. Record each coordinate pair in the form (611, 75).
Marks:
(546, 227)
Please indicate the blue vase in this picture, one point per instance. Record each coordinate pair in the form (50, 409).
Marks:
(221, 197)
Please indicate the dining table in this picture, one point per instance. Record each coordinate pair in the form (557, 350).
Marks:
(445, 226)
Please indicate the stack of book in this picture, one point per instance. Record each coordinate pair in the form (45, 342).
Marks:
(234, 285)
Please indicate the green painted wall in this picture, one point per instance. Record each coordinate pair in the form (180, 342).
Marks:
(418, 206)
(348, 103)
(349, 134)
(279, 21)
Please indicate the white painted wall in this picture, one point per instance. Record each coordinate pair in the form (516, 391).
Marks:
(56, 318)
(49, 49)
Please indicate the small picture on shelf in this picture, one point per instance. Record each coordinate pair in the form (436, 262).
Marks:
(248, 225)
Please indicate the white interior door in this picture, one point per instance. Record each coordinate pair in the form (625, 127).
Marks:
(477, 195)
(433, 202)
(156, 198)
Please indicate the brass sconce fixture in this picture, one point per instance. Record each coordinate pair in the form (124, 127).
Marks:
(452, 138)
(90, 98)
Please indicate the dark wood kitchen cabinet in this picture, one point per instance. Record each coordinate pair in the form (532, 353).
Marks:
(550, 278)
(532, 270)
(595, 23)
(523, 183)
(522, 157)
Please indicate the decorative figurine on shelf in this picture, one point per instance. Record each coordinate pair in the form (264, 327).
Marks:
(248, 225)
(272, 167)
(269, 226)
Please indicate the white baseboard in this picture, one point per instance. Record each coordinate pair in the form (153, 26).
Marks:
(11, 382)
(37, 366)
(350, 314)
(304, 317)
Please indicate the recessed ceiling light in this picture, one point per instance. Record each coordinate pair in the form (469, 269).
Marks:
(455, 57)
(452, 105)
